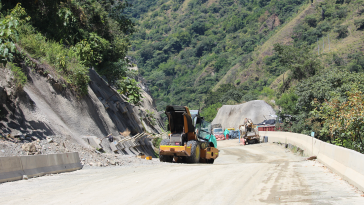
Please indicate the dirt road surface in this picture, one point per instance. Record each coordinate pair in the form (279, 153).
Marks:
(252, 174)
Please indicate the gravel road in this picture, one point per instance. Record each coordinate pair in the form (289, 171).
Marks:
(252, 174)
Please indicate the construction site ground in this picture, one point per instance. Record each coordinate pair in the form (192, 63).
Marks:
(253, 174)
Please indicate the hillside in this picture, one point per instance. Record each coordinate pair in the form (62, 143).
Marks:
(185, 48)
(66, 83)
(305, 60)
(321, 31)
(205, 44)
(44, 108)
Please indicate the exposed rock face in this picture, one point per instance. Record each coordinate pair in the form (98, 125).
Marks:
(46, 108)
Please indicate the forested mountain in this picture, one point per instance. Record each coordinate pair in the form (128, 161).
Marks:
(303, 57)
(184, 48)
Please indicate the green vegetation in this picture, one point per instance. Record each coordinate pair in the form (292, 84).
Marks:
(328, 103)
(71, 36)
(64, 60)
(343, 120)
(7, 38)
(210, 112)
(19, 76)
(184, 48)
(208, 53)
(205, 53)
(156, 143)
(323, 91)
(130, 88)
(150, 116)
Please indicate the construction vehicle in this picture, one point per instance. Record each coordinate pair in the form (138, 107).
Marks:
(218, 132)
(190, 140)
(248, 132)
(213, 126)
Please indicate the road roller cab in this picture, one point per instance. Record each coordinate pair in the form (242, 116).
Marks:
(190, 139)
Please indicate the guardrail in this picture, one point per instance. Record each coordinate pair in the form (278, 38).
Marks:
(347, 163)
(14, 168)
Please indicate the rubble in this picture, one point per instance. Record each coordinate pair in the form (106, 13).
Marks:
(90, 157)
(29, 147)
(49, 140)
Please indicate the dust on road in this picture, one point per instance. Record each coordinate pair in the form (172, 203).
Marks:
(253, 174)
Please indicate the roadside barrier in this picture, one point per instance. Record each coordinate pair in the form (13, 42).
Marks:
(14, 168)
(345, 162)
(10, 169)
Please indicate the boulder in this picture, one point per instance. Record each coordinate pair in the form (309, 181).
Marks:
(93, 141)
(29, 147)
(49, 140)
(112, 162)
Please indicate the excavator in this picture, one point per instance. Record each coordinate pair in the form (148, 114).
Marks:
(248, 132)
(190, 140)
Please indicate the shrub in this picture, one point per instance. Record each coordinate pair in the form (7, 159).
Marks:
(359, 24)
(209, 113)
(343, 120)
(19, 76)
(9, 32)
(311, 20)
(65, 60)
(129, 87)
(288, 102)
(342, 30)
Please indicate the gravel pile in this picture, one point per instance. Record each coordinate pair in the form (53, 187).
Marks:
(17, 146)
(234, 115)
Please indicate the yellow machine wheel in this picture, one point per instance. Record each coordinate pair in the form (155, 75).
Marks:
(165, 158)
(195, 152)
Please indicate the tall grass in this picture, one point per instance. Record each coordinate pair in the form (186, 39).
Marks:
(65, 60)
(19, 77)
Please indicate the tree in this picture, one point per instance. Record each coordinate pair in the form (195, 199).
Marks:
(301, 61)
(220, 64)
(9, 32)
(288, 102)
(343, 121)
(198, 27)
(311, 20)
(209, 113)
(342, 31)
(313, 92)
(359, 24)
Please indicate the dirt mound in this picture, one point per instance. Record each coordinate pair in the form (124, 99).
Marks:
(234, 115)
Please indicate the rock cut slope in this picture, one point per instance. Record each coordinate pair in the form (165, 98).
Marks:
(234, 115)
(46, 108)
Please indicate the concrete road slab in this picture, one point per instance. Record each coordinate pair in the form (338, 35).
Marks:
(252, 174)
